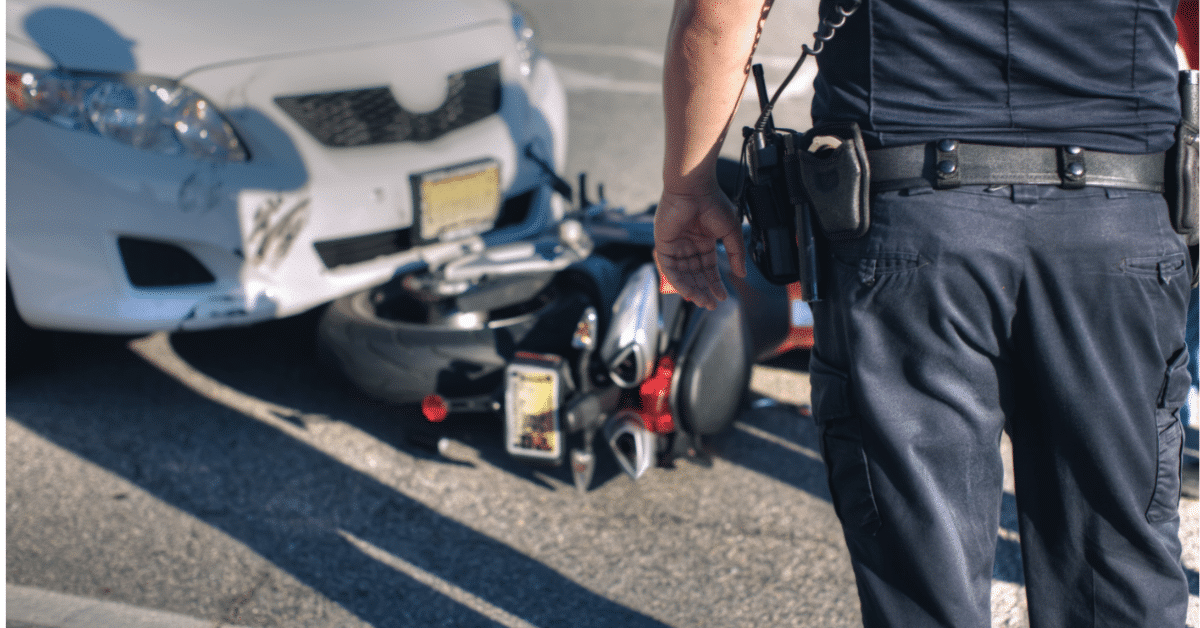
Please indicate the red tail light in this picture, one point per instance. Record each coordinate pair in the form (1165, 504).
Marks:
(434, 408)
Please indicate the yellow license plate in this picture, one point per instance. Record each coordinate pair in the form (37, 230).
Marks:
(457, 202)
(532, 412)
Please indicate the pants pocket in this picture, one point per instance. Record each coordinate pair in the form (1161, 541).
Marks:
(842, 447)
(1166, 268)
(1164, 505)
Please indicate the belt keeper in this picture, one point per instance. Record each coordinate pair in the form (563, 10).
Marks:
(949, 175)
(1072, 167)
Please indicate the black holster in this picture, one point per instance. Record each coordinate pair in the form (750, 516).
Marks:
(837, 180)
(1182, 188)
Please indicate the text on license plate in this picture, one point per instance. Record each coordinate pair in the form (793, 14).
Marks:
(534, 413)
(457, 202)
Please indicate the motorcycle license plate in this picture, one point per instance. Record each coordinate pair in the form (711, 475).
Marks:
(456, 202)
(531, 411)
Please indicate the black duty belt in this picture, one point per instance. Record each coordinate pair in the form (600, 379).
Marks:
(949, 164)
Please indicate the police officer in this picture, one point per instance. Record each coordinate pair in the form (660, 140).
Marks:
(1020, 273)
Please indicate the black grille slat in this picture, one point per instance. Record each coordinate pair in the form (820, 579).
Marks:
(346, 251)
(372, 116)
(364, 248)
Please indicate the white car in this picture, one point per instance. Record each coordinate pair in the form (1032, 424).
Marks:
(176, 165)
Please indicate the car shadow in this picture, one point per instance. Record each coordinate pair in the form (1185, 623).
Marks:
(361, 543)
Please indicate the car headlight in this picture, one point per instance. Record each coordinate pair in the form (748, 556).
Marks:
(527, 49)
(154, 114)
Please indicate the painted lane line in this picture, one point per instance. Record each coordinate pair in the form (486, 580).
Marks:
(778, 440)
(574, 80)
(648, 56)
(653, 58)
(60, 610)
(579, 81)
(456, 593)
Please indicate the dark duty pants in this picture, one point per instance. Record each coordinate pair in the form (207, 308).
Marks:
(1055, 314)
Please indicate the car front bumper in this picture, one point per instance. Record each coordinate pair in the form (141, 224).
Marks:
(262, 229)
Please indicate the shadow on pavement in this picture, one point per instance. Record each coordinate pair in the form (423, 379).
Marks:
(341, 532)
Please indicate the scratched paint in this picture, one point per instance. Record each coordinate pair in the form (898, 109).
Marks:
(277, 221)
(202, 191)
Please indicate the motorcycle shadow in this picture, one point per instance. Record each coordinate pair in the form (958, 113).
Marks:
(230, 447)
(277, 362)
(483, 434)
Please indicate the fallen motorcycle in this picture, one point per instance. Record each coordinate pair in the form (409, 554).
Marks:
(570, 333)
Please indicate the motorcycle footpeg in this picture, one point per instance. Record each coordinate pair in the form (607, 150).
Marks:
(431, 442)
(583, 467)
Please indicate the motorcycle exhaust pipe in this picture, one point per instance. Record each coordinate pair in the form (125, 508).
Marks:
(632, 444)
(631, 344)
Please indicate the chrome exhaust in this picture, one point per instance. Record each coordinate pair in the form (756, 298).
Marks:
(632, 444)
(631, 344)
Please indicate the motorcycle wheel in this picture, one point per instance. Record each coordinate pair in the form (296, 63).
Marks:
(386, 345)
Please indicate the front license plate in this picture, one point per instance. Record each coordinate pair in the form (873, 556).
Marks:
(457, 202)
(531, 412)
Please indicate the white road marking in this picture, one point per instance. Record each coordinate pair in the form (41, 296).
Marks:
(650, 57)
(456, 593)
(60, 610)
(778, 440)
(580, 81)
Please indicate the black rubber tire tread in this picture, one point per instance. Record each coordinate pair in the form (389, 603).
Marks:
(403, 362)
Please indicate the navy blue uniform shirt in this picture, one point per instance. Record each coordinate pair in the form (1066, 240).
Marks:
(1101, 74)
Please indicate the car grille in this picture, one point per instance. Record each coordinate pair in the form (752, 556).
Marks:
(372, 116)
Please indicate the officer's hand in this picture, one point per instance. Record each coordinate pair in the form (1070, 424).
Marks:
(686, 230)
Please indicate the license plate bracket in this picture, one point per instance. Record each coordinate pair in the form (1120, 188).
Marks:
(456, 202)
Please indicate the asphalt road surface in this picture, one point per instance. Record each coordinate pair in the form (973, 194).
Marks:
(224, 478)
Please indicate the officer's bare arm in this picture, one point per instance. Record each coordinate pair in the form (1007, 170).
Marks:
(707, 62)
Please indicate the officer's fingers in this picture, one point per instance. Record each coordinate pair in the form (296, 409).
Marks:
(707, 274)
(736, 251)
(696, 291)
(714, 285)
(700, 287)
(676, 272)
(685, 274)
(707, 277)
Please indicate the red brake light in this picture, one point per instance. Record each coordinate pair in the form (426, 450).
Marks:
(434, 408)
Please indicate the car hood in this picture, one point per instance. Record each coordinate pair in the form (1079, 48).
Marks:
(174, 39)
